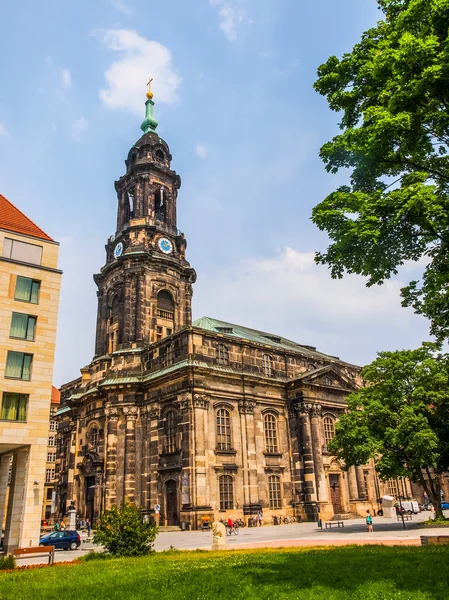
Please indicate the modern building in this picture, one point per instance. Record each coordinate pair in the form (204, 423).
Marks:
(206, 419)
(29, 300)
(48, 505)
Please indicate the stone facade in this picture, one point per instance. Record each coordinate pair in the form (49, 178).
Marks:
(29, 289)
(205, 419)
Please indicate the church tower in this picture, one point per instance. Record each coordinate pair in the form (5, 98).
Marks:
(145, 287)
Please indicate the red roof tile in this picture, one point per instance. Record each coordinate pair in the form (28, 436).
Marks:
(55, 395)
(12, 219)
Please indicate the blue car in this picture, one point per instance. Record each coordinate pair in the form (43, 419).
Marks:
(445, 505)
(61, 539)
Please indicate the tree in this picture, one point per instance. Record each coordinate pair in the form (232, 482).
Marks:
(122, 531)
(393, 91)
(401, 418)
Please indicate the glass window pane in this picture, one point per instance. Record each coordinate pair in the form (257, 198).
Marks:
(31, 328)
(7, 247)
(19, 324)
(14, 364)
(35, 292)
(29, 253)
(26, 373)
(23, 288)
(14, 406)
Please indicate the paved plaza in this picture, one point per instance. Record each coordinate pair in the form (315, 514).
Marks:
(386, 531)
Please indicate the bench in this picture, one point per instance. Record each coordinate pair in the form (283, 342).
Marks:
(404, 517)
(50, 550)
(330, 524)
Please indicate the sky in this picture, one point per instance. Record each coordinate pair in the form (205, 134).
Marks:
(233, 92)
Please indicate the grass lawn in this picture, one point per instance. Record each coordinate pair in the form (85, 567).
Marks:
(344, 573)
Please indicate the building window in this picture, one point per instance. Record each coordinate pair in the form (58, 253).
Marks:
(22, 251)
(52, 425)
(94, 436)
(160, 203)
(18, 365)
(226, 487)
(49, 492)
(271, 437)
(223, 429)
(27, 290)
(49, 475)
(51, 440)
(14, 406)
(22, 327)
(267, 365)
(274, 488)
(170, 431)
(393, 488)
(329, 429)
(51, 456)
(222, 354)
(165, 306)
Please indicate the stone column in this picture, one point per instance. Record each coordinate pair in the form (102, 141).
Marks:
(153, 415)
(145, 459)
(131, 413)
(307, 453)
(297, 464)
(201, 406)
(317, 443)
(246, 409)
(4, 472)
(363, 495)
(352, 483)
(15, 510)
(112, 414)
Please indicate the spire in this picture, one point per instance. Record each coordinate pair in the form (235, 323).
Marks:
(149, 123)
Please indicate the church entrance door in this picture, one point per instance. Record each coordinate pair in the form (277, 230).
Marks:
(171, 502)
(334, 482)
(90, 497)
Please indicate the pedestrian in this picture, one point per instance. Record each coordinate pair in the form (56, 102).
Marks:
(369, 522)
(88, 527)
(260, 517)
(56, 526)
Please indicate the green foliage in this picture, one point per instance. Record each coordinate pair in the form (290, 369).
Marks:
(92, 555)
(7, 562)
(401, 418)
(441, 520)
(122, 531)
(393, 92)
(352, 573)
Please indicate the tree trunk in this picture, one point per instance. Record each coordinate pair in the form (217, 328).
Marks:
(433, 489)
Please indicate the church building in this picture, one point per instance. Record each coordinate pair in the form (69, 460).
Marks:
(205, 419)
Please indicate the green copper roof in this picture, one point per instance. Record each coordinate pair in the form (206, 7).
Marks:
(254, 335)
(149, 123)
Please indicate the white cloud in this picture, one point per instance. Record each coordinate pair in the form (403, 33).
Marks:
(66, 79)
(3, 130)
(139, 59)
(201, 150)
(79, 127)
(291, 296)
(233, 19)
(122, 7)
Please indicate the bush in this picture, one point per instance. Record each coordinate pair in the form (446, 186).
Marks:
(92, 555)
(7, 562)
(122, 531)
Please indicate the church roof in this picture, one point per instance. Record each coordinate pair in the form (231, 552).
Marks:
(12, 219)
(254, 335)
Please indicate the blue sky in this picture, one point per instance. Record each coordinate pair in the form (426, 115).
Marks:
(234, 99)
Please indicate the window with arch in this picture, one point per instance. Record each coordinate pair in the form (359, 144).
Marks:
(271, 434)
(223, 429)
(165, 305)
(274, 489)
(267, 362)
(93, 436)
(222, 354)
(329, 429)
(160, 203)
(226, 489)
(170, 431)
(160, 156)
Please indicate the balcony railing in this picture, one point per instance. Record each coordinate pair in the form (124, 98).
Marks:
(165, 314)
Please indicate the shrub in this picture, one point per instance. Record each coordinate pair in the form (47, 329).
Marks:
(7, 562)
(92, 555)
(122, 532)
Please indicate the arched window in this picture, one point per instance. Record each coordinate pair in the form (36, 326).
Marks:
(274, 488)
(271, 435)
(160, 155)
(223, 429)
(226, 489)
(165, 305)
(267, 365)
(160, 203)
(222, 354)
(170, 431)
(115, 310)
(114, 324)
(329, 429)
(93, 436)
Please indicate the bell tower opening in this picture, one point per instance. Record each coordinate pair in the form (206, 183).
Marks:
(114, 325)
(165, 322)
(160, 198)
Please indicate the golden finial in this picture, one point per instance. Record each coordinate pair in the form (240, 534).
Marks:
(149, 93)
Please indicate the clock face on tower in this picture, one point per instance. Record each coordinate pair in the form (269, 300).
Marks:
(118, 250)
(165, 246)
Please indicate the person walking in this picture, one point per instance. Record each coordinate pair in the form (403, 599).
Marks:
(369, 522)
(88, 527)
(260, 518)
(56, 526)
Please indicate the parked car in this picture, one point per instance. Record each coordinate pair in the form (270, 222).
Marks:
(445, 505)
(61, 539)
